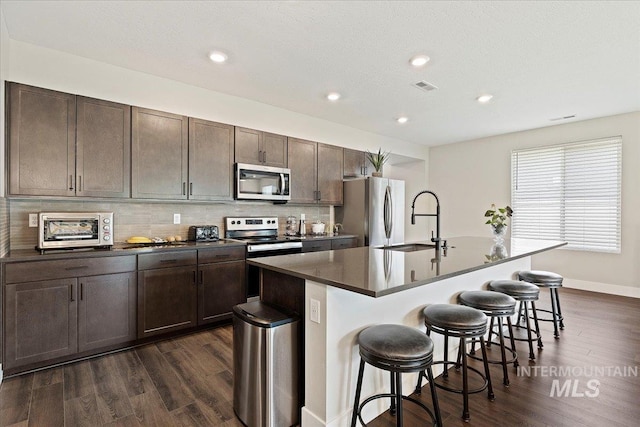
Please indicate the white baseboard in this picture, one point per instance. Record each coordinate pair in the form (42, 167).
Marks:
(605, 288)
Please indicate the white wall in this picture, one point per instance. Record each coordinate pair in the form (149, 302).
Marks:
(469, 176)
(52, 69)
(414, 173)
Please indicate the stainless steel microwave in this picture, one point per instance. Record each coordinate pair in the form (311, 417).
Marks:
(65, 230)
(257, 182)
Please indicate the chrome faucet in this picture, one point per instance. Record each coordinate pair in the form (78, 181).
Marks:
(435, 239)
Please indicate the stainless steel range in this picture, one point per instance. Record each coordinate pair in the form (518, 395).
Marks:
(262, 239)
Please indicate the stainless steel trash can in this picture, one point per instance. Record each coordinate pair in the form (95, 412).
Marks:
(265, 365)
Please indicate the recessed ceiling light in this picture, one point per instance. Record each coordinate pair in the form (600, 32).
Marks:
(402, 120)
(484, 98)
(218, 57)
(333, 96)
(419, 60)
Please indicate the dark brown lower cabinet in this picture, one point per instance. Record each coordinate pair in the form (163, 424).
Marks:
(167, 300)
(56, 318)
(221, 286)
(41, 321)
(344, 243)
(106, 310)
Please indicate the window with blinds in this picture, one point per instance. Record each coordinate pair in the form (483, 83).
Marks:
(569, 192)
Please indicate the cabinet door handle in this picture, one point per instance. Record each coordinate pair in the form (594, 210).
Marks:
(80, 267)
(223, 256)
(184, 188)
(194, 277)
(259, 156)
(70, 182)
(71, 293)
(168, 260)
(191, 188)
(80, 183)
(264, 157)
(201, 276)
(81, 290)
(319, 195)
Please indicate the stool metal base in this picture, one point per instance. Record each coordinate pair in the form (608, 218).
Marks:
(462, 362)
(532, 335)
(396, 397)
(503, 348)
(556, 313)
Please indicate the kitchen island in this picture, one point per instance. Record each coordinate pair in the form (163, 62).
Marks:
(358, 287)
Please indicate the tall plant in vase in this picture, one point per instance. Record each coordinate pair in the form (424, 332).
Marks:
(378, 160)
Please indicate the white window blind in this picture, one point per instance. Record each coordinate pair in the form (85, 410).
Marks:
(569, 192)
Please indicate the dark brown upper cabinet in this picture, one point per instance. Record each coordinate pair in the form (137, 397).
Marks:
(103, 148)
(159, 157)
(46, 158)
(356, 164)
(263, 148)
(316, 172)
(330, 160)
(211, 151)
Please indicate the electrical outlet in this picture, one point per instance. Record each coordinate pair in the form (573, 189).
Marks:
(314, 310)
(33, 220)
(176, 218)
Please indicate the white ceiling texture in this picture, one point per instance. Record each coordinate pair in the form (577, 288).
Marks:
(540, 60)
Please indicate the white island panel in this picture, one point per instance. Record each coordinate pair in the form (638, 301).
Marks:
(331, 353)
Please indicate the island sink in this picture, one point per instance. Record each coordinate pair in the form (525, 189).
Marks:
(408, 247)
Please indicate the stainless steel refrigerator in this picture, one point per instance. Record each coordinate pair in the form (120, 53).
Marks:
(373, 210)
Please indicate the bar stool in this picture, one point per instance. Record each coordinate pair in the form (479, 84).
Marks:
(553, 281)
(526, 294)
(495, 305)
(465, 323)
(397, 349)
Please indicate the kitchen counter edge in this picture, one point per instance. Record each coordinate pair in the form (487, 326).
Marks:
(119, 249)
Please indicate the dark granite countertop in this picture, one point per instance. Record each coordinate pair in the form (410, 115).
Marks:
(377, 272)
(119, 249)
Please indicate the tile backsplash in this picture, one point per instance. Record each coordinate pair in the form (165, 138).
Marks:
(150, 219)
(4, 226)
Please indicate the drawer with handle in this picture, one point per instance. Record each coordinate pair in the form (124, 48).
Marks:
(167, 259)
(20, 272)
(208, 256)
(316, 245)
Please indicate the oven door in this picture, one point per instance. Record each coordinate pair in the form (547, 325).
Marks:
(256, 182)
(253, 272)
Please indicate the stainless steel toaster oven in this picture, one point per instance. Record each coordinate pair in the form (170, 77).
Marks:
(66, 230)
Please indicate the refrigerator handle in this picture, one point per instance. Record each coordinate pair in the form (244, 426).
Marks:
(388, 212)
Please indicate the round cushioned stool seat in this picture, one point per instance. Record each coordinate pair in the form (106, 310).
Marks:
(396, 345)
(455, 317)
(552, 281)
(488, 301)
(397, 349)
(521, 291)
(541, 278)
(526, 293)
(462, 322)
(497, 306)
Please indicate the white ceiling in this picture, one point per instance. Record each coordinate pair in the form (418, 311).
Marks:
(540, 60)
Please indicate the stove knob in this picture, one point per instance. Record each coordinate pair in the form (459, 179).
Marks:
(233, 222)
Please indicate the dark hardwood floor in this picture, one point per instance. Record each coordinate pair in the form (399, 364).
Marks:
(187, 381)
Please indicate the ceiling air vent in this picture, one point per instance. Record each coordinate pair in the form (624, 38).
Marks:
(425, 86)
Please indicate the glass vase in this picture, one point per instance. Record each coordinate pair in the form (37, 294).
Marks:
(498, 231)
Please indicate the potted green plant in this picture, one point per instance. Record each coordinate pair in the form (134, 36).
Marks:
(378, 160)
(498, 221)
